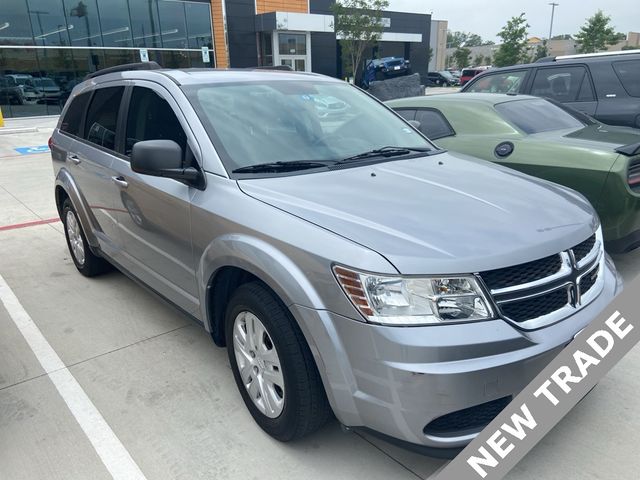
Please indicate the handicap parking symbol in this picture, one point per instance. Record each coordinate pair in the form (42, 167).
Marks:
(30, 150)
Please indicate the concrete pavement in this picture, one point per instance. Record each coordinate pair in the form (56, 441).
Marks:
(167, 392)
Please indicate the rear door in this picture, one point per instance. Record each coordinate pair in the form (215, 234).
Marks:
(505, 81)
(570, 85)
(90, 160)
(153, 212)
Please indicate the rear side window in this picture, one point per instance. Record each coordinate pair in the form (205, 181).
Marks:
(537, 115)
(71, 121)
(503, 82)
(433, 124)
(563, 84)
(102, 117)
(152, 118)
(407, 113)
(628, 72)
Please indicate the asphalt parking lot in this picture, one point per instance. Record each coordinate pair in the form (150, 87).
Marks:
(167, 392)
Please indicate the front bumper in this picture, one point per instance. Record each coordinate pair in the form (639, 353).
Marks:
(395, 381)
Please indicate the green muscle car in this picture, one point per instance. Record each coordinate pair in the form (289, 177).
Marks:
(547, 140)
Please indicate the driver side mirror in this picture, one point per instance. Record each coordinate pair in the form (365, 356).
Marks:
(161, 158)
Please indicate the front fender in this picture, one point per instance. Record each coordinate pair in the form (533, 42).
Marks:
(65, 181)
(261, 259)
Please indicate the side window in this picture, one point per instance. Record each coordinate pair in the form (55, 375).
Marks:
(563, 84)
(503, 82)
(433, 124)
(71, 121)
(152, 118)
(629, 74)
(102, 117)
(406, 113)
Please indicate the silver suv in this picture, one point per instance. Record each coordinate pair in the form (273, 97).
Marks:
(349, 265)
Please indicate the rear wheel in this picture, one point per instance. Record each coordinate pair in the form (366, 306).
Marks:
(84, 259)
(273, 366)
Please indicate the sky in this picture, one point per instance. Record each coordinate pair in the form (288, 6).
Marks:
(486, 18)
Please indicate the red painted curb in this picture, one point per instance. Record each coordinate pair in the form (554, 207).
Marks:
(29, 224)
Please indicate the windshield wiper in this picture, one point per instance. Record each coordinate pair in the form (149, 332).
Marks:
(384, 152)
(283, 166)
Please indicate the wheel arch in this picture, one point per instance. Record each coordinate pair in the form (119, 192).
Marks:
(66, 187)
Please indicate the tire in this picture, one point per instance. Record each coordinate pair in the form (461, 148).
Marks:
(87, 263)
(299, 406)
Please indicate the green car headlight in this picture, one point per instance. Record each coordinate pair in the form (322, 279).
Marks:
(410, 301)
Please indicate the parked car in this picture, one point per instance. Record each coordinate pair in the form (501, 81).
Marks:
(443, 79)
(603, 85)
(47, 89)
(329, 106)
(548, 140)
(10, 93)
(24, 82)
(468, 73)
(383, 68)
(348, 264)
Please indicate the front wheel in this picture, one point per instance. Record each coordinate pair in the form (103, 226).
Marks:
(84, 259)
(273, 366)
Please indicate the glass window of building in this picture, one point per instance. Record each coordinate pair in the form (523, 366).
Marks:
(172, 24)
(14, 27)
(114, 19)
(292, 44)
(83, 15)
(49, 23)
(145, 26)
(198, 18)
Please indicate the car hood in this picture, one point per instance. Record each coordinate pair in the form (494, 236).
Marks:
(600, 133)
(445, 213)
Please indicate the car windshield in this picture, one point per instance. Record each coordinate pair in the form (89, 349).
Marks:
(292, 121)
(537, 115)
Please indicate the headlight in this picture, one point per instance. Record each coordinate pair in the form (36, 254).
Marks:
(396, 300)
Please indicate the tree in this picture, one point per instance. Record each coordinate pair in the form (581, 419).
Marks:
(358, 24)
(628, 47)
(514, 42)
(462, 57)
(565, 36)
(466, 39)
(596, 34)
(541, 51)
(478, 59)
(429, 55)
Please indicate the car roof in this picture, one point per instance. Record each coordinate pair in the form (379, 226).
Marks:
(572, 59)
(489, 99)
(201, 76)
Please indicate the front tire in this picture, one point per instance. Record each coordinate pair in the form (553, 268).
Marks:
(273, 366)
(84, 259)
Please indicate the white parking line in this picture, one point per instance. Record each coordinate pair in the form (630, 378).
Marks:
(113, 454)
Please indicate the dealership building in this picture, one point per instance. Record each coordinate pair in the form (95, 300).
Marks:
(48, 46)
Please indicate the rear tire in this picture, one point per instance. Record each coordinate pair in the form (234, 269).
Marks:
(84, 259)
(271, 356)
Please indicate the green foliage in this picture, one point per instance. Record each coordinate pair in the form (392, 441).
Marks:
(565, 36)
(358, 24)
(462, 57)
(478, 59)
(629, 47)
(541, 51)
(429, 55)
(514, 42)
(457, 39)
(596, 34)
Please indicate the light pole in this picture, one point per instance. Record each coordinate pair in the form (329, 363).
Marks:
(553, 10)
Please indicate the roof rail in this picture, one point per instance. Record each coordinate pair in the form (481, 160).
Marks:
(598, 54)
(545, 60)
(127, 67)
(284, 68)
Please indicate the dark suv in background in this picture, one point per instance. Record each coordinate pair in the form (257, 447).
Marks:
(603, 85)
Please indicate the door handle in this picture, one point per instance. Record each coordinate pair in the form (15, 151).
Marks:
(120, 181)
(74, 159)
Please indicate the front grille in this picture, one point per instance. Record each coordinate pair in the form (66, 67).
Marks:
(523, 273)
(472, 418)
(588, 281)
(583, 249)
(530, 308)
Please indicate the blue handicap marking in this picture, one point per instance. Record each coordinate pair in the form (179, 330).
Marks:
(29, 150)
